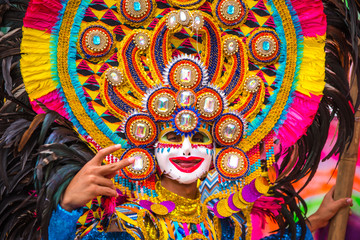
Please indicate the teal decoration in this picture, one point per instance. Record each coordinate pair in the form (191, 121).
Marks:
(230, 9)
(137, 6)
(266, 45)
(96, 40)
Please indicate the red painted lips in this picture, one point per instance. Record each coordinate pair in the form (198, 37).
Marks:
(186, 164)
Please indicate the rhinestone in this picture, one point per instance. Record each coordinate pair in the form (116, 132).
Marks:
(197, 20)
(233, 161)
(185, 120)
(183, 17)
(163, 104)
(96, 40)
(140, 130)
(137, 6)
(231, 46)
(229, 130)
(185, 75)
(266, 45)
(253, 84)
(138, 163)
(141, 40)
(172, 19)
(114, 76)
(185, 98)
(209, 105)
(230, 9)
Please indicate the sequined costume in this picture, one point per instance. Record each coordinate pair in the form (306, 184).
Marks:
(256, 80)
(190, 220)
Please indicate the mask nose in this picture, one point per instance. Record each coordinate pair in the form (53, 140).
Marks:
(186, 147)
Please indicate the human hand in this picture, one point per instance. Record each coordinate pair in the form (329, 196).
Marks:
(327, 210)
(93, 180)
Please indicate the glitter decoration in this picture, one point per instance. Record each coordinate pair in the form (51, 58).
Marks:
(172, 20)
(185, 98)
(231, 46)
(209, 103)
(232, 163)
(184, 17)
(162, 104)
(142, 40)
(186, 120)
(252, 83)
(186, 75)
(140, 130)
(143, 166)
(136, 12)
(230, 13)
(114, 76)
(229, 130)
(95, 42)
(264, 46)
(197, 21)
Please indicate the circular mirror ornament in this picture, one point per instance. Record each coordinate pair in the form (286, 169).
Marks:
(95, 42)
(143, 166)
(230, 13)
(172, 20)
(209, 104)
(264, 46)
(197, 21)
(140, 130)
(252, 83)
(228, 131)
(161, 104)
(136, 12)
(231, 46)
(232, 163)
(184, 17)
(186, 121)
(142, 40)
(185, 98)
(114, 76)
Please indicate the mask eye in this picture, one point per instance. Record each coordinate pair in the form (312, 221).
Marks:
(173, 137)
(199, 138)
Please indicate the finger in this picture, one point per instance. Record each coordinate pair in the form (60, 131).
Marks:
(110, 169)
(105, 191)
(100, 156)
(101, 181)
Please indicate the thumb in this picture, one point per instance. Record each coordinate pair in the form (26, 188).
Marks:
(341, 203)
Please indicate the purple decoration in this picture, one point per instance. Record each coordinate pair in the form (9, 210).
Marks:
(121, 199)
(253, 189)
(169, 205)
(231, 203)
(216, 212)
(146, 204)
(249, 194)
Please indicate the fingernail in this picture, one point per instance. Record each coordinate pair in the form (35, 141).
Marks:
(131, 160)
(349, 201)
(118, 145)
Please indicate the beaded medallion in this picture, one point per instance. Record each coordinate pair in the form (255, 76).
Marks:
(143, 166)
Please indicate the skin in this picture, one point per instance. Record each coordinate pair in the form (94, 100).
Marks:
(94, 179)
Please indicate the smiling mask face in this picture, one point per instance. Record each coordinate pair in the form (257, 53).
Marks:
(184, 159)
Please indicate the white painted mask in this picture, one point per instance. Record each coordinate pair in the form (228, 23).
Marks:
(184, 159)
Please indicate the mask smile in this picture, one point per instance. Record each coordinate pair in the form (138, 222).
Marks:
(186, 164)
